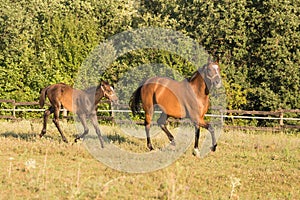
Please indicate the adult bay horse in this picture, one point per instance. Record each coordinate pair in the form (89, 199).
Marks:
(82, 102)
(184, 99)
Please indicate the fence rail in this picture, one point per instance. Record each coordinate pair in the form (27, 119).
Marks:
(277, 115)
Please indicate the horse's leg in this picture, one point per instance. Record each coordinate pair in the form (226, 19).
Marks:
(96, 126)
(196, 151)
(212, 133)
(46, 115)
(162, 121)
(56, 122)
(82, 119)
(148, 116)
(213, 137)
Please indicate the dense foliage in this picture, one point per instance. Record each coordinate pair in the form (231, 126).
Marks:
(45, 42)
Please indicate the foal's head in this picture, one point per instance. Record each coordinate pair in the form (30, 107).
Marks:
(108, 91)
(212, 74)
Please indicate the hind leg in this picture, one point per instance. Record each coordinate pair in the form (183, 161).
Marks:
(162, 121)
(148, 117)
(56, 122)
(46, 115)
(196, 151)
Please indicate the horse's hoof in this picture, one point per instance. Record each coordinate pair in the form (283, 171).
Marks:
(65, 140)
(173, 143)
(102, 145)
(150, 148)
(213, 148)
(42, 134)
(196, 153)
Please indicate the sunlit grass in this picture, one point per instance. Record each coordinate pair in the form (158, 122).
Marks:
(245, 166)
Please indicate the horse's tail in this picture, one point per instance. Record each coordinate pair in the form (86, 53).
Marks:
(135, 101)
(43, 96)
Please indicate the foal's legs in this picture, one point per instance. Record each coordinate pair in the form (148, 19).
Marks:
(46, 115)
(162, 121)
(96, 126)
(82, 119)
(56, 122)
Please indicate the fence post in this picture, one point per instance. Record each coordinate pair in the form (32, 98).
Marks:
(281, 119)
(14, 108)
(222, 117)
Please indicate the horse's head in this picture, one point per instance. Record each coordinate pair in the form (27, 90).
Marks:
(212, 74)
(108, 91)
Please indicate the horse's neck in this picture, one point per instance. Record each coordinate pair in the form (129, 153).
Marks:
(98, 94)
(95, 93)
(199, 86)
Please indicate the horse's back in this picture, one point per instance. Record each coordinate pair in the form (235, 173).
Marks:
(59, 90)
(60, 94)
(166, 93)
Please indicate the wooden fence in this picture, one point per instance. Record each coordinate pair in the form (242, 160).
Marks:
(278, 116)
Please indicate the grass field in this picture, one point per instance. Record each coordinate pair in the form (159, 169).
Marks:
(246, 165)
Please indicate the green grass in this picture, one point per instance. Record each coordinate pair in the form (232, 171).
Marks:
(245, 166)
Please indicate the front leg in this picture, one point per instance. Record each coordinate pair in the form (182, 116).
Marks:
(213, 137)
(196, 150)
(82, 119)
(97, 129)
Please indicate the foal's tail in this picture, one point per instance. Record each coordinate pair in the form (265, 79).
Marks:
(135, 101)
(43, 96)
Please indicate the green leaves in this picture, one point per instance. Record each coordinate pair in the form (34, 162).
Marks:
(47, 42)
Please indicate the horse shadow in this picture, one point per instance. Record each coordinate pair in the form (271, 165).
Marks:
(22, 136)
(112, 138)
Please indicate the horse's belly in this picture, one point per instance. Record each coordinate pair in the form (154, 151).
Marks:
(171, 105)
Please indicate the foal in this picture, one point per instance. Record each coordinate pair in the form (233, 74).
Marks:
(82, 102)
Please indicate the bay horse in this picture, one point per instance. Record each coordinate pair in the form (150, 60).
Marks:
(185, 99)
(82, 102)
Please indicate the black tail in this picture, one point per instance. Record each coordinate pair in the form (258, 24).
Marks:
(43, 96)
(135, 101)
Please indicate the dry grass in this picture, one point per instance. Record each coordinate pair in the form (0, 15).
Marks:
(245, 166)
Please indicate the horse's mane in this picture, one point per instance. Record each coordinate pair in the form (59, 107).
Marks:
(193, 76)
(196, 73)
(91, 89)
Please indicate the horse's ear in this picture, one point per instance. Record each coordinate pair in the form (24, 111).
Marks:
(210, 60)
(217, 59)
(104, 83)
